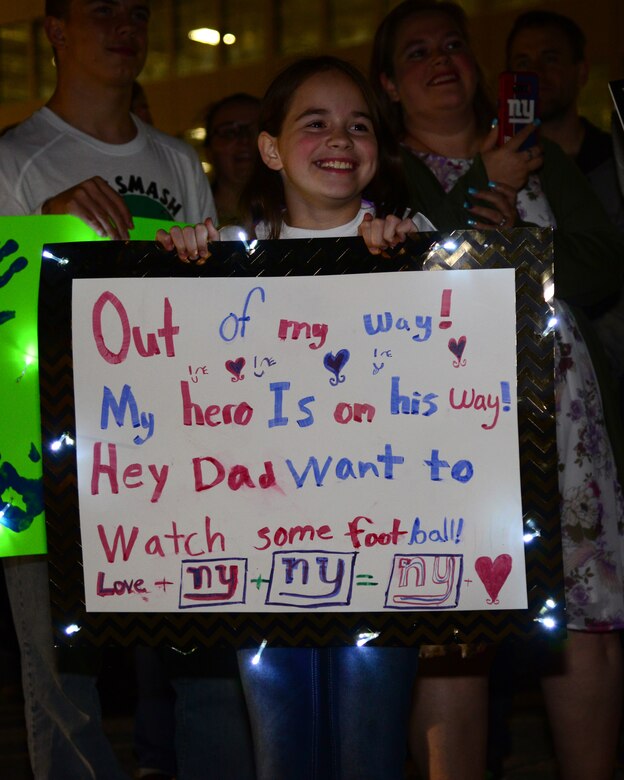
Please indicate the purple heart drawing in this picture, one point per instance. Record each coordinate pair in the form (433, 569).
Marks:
(493, 574)
(335, 363)
(457, 348)
(235, 367)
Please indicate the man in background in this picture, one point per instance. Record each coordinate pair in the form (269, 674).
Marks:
(553, 46)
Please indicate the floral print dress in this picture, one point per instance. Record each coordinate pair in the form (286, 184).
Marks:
(592, 506)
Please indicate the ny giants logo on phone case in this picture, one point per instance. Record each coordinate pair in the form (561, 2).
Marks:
(518, 96)
(521, 110)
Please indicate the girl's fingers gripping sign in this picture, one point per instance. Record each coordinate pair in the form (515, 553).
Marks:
(379, 234)
(190, 242)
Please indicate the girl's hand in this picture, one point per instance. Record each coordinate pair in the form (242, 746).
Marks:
(191, 243)
(507, 164)
(498, 210)
(379, 234)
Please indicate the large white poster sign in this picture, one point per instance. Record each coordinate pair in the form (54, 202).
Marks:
(298, 443)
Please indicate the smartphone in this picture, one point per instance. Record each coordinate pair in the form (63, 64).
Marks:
(518, 105)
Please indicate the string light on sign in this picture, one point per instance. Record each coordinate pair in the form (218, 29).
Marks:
(234, 233)
(256, 659)
(250, 246)
(8, 518)
(531, 531)
(546, 615)
(49, 256)
(65, 440)
(28, 361)
(551, 324)
(366, 636)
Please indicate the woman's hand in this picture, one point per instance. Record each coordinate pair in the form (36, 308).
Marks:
(498, 209)
(379, 234)
(191, 242)
(507, 164)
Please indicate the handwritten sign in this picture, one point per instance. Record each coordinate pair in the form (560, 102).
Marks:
(276, 444)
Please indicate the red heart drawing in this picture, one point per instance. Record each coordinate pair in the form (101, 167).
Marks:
(493, 575)
(235, 367)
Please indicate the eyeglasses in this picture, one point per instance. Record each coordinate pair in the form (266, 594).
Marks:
(233, 131)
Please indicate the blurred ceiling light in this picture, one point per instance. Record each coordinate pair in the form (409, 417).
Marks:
(205, 35)
(197, 133)
(229, 39)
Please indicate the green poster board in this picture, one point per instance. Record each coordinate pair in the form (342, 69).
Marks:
(22, 525)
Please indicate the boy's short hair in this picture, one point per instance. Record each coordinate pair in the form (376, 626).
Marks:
(537, 19)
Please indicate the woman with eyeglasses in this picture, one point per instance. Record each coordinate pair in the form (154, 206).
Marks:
(231, 147)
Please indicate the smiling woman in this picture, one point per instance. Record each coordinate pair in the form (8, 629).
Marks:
(433, 68)
(427, 78)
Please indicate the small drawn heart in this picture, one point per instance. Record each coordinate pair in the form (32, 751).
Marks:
(493, 574)
(335, 363)
(457, 347)
(235, 367)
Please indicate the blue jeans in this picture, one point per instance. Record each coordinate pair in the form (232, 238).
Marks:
(336, 713)
(62, 712)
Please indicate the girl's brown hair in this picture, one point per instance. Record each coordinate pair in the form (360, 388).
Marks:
(382, 60)
(265, 192)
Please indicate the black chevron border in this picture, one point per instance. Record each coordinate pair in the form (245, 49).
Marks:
(529, 251)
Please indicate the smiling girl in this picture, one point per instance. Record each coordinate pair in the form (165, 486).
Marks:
(328, 167)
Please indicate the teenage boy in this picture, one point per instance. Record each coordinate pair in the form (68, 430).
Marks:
(85, 154)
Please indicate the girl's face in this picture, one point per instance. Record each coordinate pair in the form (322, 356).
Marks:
(434, 69)
(326, 151)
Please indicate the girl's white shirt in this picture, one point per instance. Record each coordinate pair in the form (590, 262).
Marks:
(350, 229)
